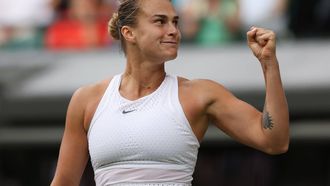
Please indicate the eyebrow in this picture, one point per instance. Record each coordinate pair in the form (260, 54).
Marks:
(165, 17)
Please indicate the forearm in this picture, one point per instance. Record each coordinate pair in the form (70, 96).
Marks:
(275, 120)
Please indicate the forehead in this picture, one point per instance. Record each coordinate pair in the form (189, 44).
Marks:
(157, 7)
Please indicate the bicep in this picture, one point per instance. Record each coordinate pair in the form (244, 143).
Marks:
(73, 154)
(237, 118)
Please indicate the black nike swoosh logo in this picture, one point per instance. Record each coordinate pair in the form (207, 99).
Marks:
(128, 111)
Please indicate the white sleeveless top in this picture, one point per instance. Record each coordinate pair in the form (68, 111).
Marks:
(146, 142)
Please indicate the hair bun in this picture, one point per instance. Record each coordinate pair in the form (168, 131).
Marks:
(113, 27)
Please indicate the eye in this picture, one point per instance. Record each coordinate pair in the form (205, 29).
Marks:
(160, 21)
(176, 22)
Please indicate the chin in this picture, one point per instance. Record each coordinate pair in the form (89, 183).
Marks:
(173, 53)
(171, 57)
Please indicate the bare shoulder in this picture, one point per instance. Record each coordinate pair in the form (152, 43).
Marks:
(204, 92)
(86, 99)
(197, 96)
(87, 93)
(202, 86)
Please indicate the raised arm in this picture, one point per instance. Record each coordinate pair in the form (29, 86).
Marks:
(73, 154)
(267, 131)
(275, 120)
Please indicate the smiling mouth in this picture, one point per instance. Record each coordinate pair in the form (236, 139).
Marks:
(170, 42)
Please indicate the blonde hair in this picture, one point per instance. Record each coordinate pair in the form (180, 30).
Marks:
(125, 16)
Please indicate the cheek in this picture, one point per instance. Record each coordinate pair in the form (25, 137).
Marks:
(146, 35)
(149, 42)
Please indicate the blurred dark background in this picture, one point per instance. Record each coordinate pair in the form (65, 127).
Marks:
(49, 48)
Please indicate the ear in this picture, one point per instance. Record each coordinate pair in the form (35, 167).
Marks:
(128, 34)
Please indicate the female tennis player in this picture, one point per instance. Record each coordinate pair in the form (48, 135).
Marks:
(144, 126)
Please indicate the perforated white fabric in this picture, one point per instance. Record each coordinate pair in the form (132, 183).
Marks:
(148, 141)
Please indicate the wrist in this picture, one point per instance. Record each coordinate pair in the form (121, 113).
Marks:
(269, 64)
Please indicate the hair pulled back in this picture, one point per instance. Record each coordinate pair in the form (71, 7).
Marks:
(125, 16)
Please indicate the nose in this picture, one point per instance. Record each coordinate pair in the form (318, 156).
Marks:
(173, 29)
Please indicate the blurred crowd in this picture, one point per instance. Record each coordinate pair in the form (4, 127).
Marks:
(82, 24)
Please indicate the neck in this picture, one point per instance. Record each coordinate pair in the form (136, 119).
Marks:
(141, 79)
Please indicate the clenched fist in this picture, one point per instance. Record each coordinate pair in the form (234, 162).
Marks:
(263, 44)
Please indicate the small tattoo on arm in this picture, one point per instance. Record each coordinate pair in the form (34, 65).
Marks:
(267, 120)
